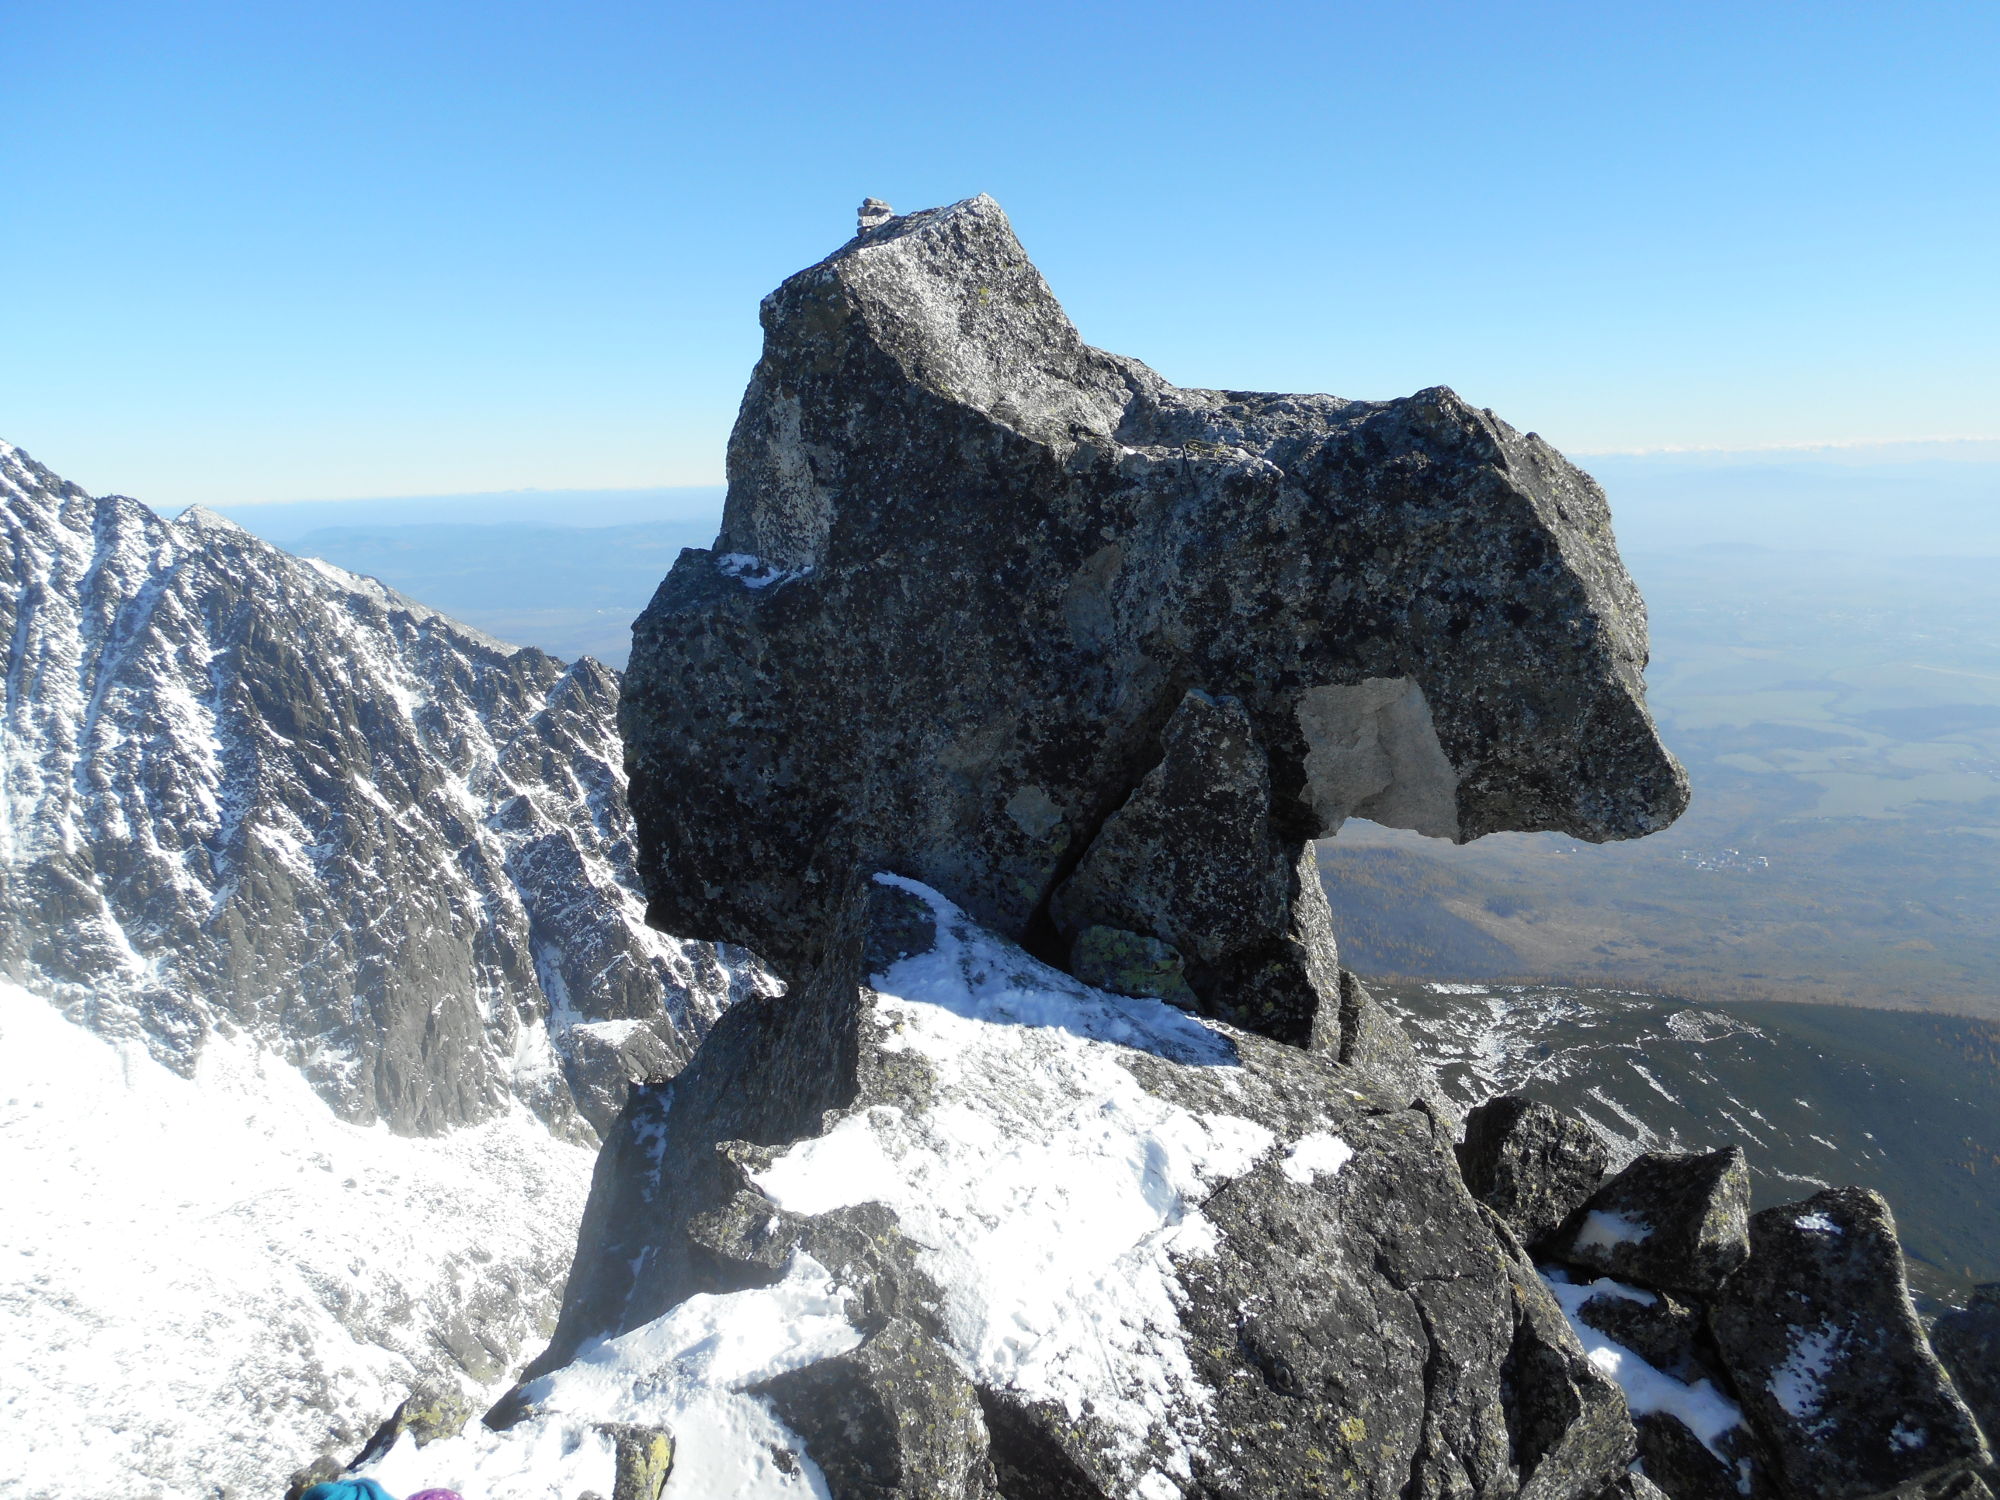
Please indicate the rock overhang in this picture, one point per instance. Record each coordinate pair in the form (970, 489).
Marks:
(993, 560)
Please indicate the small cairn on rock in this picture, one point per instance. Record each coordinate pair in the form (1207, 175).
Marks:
(1776, 1354)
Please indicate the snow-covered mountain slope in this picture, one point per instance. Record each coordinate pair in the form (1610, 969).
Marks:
(1817, 1095)
(245, 792)
(329, 958)
(204, 1280)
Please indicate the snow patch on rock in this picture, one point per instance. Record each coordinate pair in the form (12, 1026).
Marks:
(1799, 1384)
(1601, 1230)
(1311, 1157)
(1707, 1413)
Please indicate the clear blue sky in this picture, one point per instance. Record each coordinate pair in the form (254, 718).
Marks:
(278, 250)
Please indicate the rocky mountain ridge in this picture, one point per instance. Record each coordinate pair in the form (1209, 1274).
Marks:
(1000, 719)
(248, 792)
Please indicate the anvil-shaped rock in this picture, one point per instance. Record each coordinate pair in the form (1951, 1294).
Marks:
(1097, 656)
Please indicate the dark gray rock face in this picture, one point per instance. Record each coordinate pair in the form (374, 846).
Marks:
(1967, 1341)
(1531, 1165)
(1674, 1221)
(987, 598)
(1681, 1464)
(1829, 1360)
(250, 792)
(896, 1419)
(1191, 861)
(1337, 1315)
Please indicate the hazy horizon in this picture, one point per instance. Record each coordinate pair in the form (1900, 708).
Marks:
(294, 252)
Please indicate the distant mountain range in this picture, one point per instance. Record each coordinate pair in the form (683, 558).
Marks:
(246, 791)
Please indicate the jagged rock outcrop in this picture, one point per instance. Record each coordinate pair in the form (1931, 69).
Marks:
(1827, 1354)
(989, 606)
(1774, 1355)
(252, 792)
(427, 1415)
(1011, 660)
(1164, 1257)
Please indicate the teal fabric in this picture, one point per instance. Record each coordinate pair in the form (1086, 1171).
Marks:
(347, 1489)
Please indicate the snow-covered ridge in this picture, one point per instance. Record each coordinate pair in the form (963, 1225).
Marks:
(245, 791)
(327, 908)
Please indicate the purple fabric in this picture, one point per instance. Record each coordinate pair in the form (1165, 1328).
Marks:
(437, 1495)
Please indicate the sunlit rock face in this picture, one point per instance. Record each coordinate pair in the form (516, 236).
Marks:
(972, 571)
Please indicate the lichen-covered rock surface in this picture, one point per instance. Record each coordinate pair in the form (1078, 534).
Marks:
(971, 570)
(1675, 1220)
(1530, 1164)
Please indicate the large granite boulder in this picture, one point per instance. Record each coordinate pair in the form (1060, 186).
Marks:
(1017, 618)
(1829, 1359)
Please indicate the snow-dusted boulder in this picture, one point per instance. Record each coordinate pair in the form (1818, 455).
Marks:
(1670, 1220)
(1083, 1243)
(1828, 1357)
(1693, 1439)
